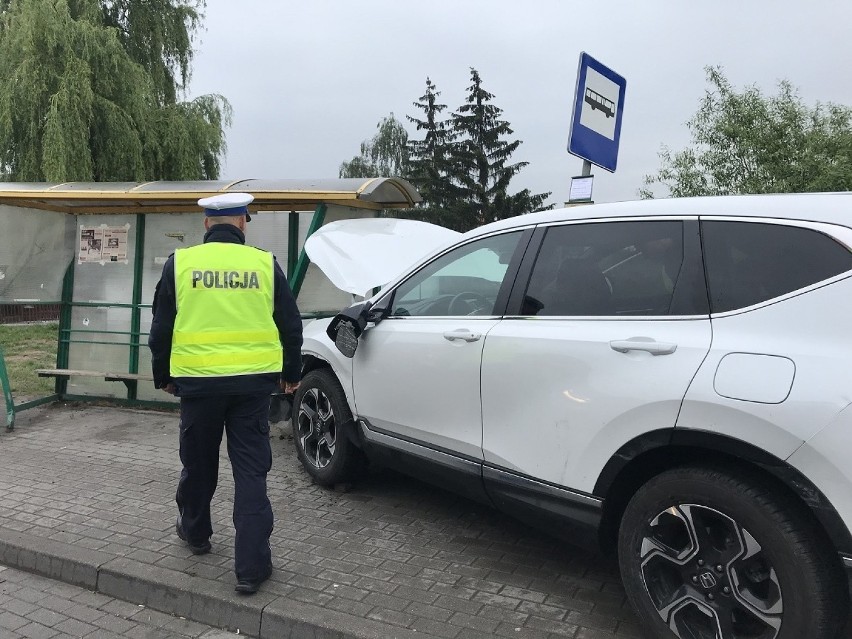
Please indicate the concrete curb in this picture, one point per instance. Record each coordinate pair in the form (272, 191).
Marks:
(263, 615)
(176, 593)
(54, 559)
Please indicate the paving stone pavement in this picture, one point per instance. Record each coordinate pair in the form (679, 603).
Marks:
(32, 606)
(389, 557)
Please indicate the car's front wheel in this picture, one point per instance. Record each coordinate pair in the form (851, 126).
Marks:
(320, 415)
(717, 554)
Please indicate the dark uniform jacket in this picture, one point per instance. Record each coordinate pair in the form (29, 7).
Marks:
(285, 314)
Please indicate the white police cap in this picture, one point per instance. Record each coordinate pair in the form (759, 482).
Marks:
(227, 204)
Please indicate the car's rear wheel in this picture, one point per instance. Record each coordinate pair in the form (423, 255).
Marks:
(321, 414)
(717, 554)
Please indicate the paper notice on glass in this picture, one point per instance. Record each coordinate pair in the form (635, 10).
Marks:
(103, 244)
(581, 189)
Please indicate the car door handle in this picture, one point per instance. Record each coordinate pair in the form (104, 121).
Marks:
(643, 344)
(462, 334)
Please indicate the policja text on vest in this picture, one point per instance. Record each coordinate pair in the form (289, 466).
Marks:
(225, 279)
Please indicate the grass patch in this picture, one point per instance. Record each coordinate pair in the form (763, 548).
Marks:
(27, 347)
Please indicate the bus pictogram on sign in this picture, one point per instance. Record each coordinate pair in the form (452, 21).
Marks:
(597, 101)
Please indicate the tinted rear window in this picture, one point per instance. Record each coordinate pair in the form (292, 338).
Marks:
(751, 262)
(606, 269)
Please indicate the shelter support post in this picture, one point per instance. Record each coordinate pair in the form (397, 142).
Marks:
(65, 313)
(292, 243)
(136, 311)
(302, 265)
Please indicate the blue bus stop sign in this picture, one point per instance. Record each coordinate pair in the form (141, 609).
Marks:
(598, 107)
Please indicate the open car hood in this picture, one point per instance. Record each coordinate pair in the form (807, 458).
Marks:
(360, 255)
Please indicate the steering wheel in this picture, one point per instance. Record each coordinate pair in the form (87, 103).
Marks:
(474, 302)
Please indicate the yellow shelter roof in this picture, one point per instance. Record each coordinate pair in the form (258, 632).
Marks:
(82, 198)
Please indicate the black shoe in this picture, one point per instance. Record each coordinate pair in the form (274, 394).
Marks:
(197, 547)
(251, 586)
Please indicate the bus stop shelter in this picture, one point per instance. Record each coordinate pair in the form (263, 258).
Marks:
(97, 250)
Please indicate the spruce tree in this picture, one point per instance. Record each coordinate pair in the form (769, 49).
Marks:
(480, 165)
(430, 157)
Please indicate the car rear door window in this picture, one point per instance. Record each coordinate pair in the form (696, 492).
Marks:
(751, 262)
(607, 269)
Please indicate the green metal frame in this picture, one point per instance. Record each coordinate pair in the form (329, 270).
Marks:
(7, 392)
(136, 312)
(11, 408)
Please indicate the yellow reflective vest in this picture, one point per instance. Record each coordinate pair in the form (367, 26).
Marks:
(224, 326)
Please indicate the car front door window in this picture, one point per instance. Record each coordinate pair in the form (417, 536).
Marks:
(464, 281)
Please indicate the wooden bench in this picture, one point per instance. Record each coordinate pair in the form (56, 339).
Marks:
(129, 379)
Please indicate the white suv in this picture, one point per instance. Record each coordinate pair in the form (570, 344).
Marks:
(668, 378)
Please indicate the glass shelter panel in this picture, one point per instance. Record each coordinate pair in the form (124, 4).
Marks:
(165, 233)
(270, 232)
(104, 280)
(35, 250)
(99, 339)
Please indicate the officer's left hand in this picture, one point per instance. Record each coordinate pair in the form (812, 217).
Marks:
(289, 387)
(170, 388)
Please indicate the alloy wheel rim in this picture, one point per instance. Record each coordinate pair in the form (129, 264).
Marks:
(317, 429)
(708, 577)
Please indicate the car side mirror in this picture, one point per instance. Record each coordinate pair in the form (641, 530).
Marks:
(347, 326)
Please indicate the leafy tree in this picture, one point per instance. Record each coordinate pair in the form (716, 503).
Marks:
(384, 155)
(429, 163)
(480, 163)
(88, 91)
(746, 142)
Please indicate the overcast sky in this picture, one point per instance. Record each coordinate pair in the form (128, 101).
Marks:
(310, 80)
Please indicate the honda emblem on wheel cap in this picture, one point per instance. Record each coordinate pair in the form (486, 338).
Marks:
(707, 579)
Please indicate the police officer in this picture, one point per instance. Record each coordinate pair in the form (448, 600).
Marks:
(226, 333)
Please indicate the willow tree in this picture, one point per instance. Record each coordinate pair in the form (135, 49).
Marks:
(384, 155)
(89, 90)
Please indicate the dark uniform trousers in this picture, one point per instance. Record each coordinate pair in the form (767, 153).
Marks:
(245, 420)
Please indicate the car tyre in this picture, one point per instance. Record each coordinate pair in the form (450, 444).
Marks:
(712, 553)
(320, 416)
